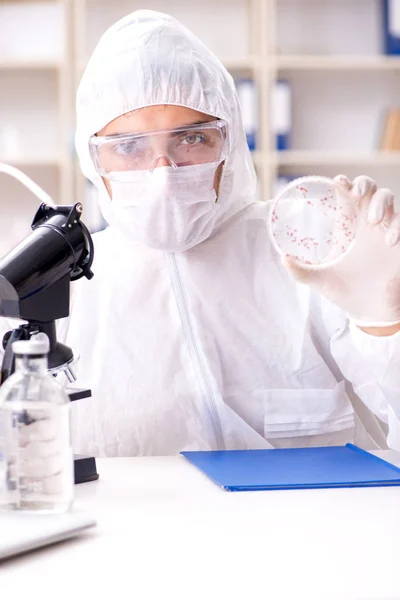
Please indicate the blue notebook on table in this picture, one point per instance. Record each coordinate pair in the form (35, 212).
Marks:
(294, 468)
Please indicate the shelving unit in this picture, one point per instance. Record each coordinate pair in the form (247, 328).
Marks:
(331, 53)
(310, 158)
(341, 83)
(335, 63)
(34, 65)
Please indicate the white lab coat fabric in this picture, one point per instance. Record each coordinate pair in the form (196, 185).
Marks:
(215, 347)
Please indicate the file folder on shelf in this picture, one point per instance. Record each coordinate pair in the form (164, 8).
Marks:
(282, 114)
(295, 468)
(247, 93)
(391, 22)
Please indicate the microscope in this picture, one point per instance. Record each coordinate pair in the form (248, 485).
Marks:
(35, 281)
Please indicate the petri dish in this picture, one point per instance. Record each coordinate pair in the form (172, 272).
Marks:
(313, 220)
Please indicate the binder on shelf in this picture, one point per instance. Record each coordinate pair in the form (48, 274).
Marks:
(390, 139)
(391, 26)
(282, 114)
(246, 89)
(294, 468)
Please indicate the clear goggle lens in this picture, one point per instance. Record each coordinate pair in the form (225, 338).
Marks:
(183, 146)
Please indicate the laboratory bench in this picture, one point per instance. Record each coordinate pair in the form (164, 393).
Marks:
(167, 532)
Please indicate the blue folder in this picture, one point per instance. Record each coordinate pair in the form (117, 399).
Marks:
(391, 14)
(295, 468)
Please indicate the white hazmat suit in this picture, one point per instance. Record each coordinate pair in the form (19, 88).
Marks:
(215, 346)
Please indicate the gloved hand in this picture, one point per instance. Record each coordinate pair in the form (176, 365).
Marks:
(365, 282)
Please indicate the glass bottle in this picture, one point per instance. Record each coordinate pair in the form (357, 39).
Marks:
(36, 460)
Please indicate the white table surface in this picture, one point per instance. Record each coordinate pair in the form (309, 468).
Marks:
(166, 532)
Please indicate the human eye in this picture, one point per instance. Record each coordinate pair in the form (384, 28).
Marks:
(193, 138)
(126, 148)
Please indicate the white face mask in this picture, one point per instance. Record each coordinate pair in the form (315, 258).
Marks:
(168, 209)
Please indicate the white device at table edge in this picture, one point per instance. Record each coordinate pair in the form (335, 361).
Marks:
(22, 532)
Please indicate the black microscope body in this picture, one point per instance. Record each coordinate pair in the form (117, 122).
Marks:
(35, 287)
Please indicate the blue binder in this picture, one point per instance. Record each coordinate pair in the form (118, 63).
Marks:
(247, 93)
(295, 468)
(282, 114)
(391, 24)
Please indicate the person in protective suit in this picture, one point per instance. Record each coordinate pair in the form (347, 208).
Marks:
(193, 333)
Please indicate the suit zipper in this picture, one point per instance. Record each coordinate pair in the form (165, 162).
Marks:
(198, 361)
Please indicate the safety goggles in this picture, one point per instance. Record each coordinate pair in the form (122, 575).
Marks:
(189, 145)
